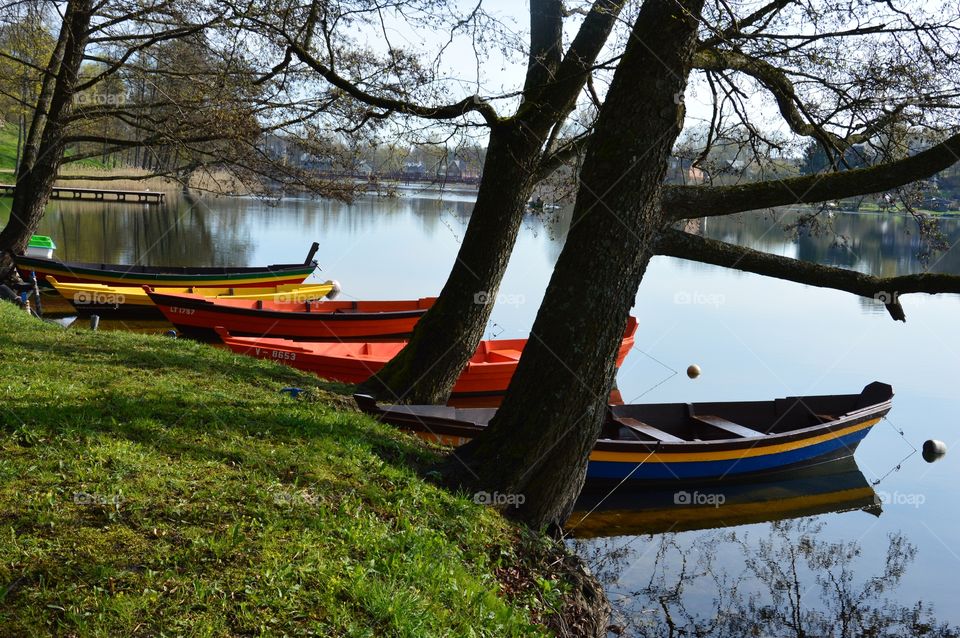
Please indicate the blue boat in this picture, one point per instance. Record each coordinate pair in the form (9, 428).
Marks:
(683, 441)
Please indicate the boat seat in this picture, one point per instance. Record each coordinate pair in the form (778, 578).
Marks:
(480, 416)
(728, 426)
(426, 411)
(648, 430)
(503, 355)
(826, 418)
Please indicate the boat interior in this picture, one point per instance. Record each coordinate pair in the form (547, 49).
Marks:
(503, 351)
(682, 422)
(679, 422)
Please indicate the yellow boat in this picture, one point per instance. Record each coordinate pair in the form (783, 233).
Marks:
(111, 300)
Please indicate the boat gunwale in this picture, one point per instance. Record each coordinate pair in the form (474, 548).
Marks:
(477, 367)
(131, 271)
(137, 303)
(198, 302)
(459, 428)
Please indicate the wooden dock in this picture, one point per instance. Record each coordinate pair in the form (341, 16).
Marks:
(96, 194)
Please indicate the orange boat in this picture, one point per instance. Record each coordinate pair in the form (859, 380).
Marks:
(195, 316)
(488, 372)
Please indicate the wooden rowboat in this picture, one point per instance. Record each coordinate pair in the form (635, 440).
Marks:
(133, 300)
(488, 372)
(832, 486)
(127, 275)
(687, 441)
(196, 316)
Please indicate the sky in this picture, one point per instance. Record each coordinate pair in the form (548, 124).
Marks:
(493, 68)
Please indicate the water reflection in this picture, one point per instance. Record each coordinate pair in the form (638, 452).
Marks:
(783, 579)
(174, 233)
(835, 486)
(877, 244)
(231, 231)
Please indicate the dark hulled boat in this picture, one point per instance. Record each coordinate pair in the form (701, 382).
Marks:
(686, 441)
(186, 276)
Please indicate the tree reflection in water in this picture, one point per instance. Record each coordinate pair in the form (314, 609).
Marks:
(789, 583)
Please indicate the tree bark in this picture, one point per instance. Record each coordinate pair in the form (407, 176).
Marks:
(42, 159)
(541, 450)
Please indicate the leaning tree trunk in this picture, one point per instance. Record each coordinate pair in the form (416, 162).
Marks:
(540, 440)
(45, 147)
(447, 335)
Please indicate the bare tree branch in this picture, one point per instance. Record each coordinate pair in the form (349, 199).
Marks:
(676, 243)
(471, 104)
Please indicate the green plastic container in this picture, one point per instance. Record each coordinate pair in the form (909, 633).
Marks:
(40, 246)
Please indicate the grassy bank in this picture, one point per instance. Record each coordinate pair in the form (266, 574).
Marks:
(158, 487)
(8, 147)
(8, 153)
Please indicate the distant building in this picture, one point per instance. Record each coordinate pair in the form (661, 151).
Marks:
(413, 171)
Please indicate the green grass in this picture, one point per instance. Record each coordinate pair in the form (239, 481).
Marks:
(8, 149)
(8, 154)
(157, 487)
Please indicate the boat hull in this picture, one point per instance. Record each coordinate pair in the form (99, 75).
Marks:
(134, 301)
(669, 466)
(125, 275)
(328, 321)
(790, 433)
(488, 373)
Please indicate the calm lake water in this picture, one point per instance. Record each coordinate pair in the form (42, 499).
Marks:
(754, 338)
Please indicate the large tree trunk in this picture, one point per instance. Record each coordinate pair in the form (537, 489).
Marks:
(539, 442)
(447, 335)
(45, 147)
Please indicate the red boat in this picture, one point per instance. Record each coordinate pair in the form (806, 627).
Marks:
(488, 372)
(195, 316)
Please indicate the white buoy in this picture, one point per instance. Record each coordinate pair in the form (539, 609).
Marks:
(933, 450)
(335, 290)
(693, 371)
